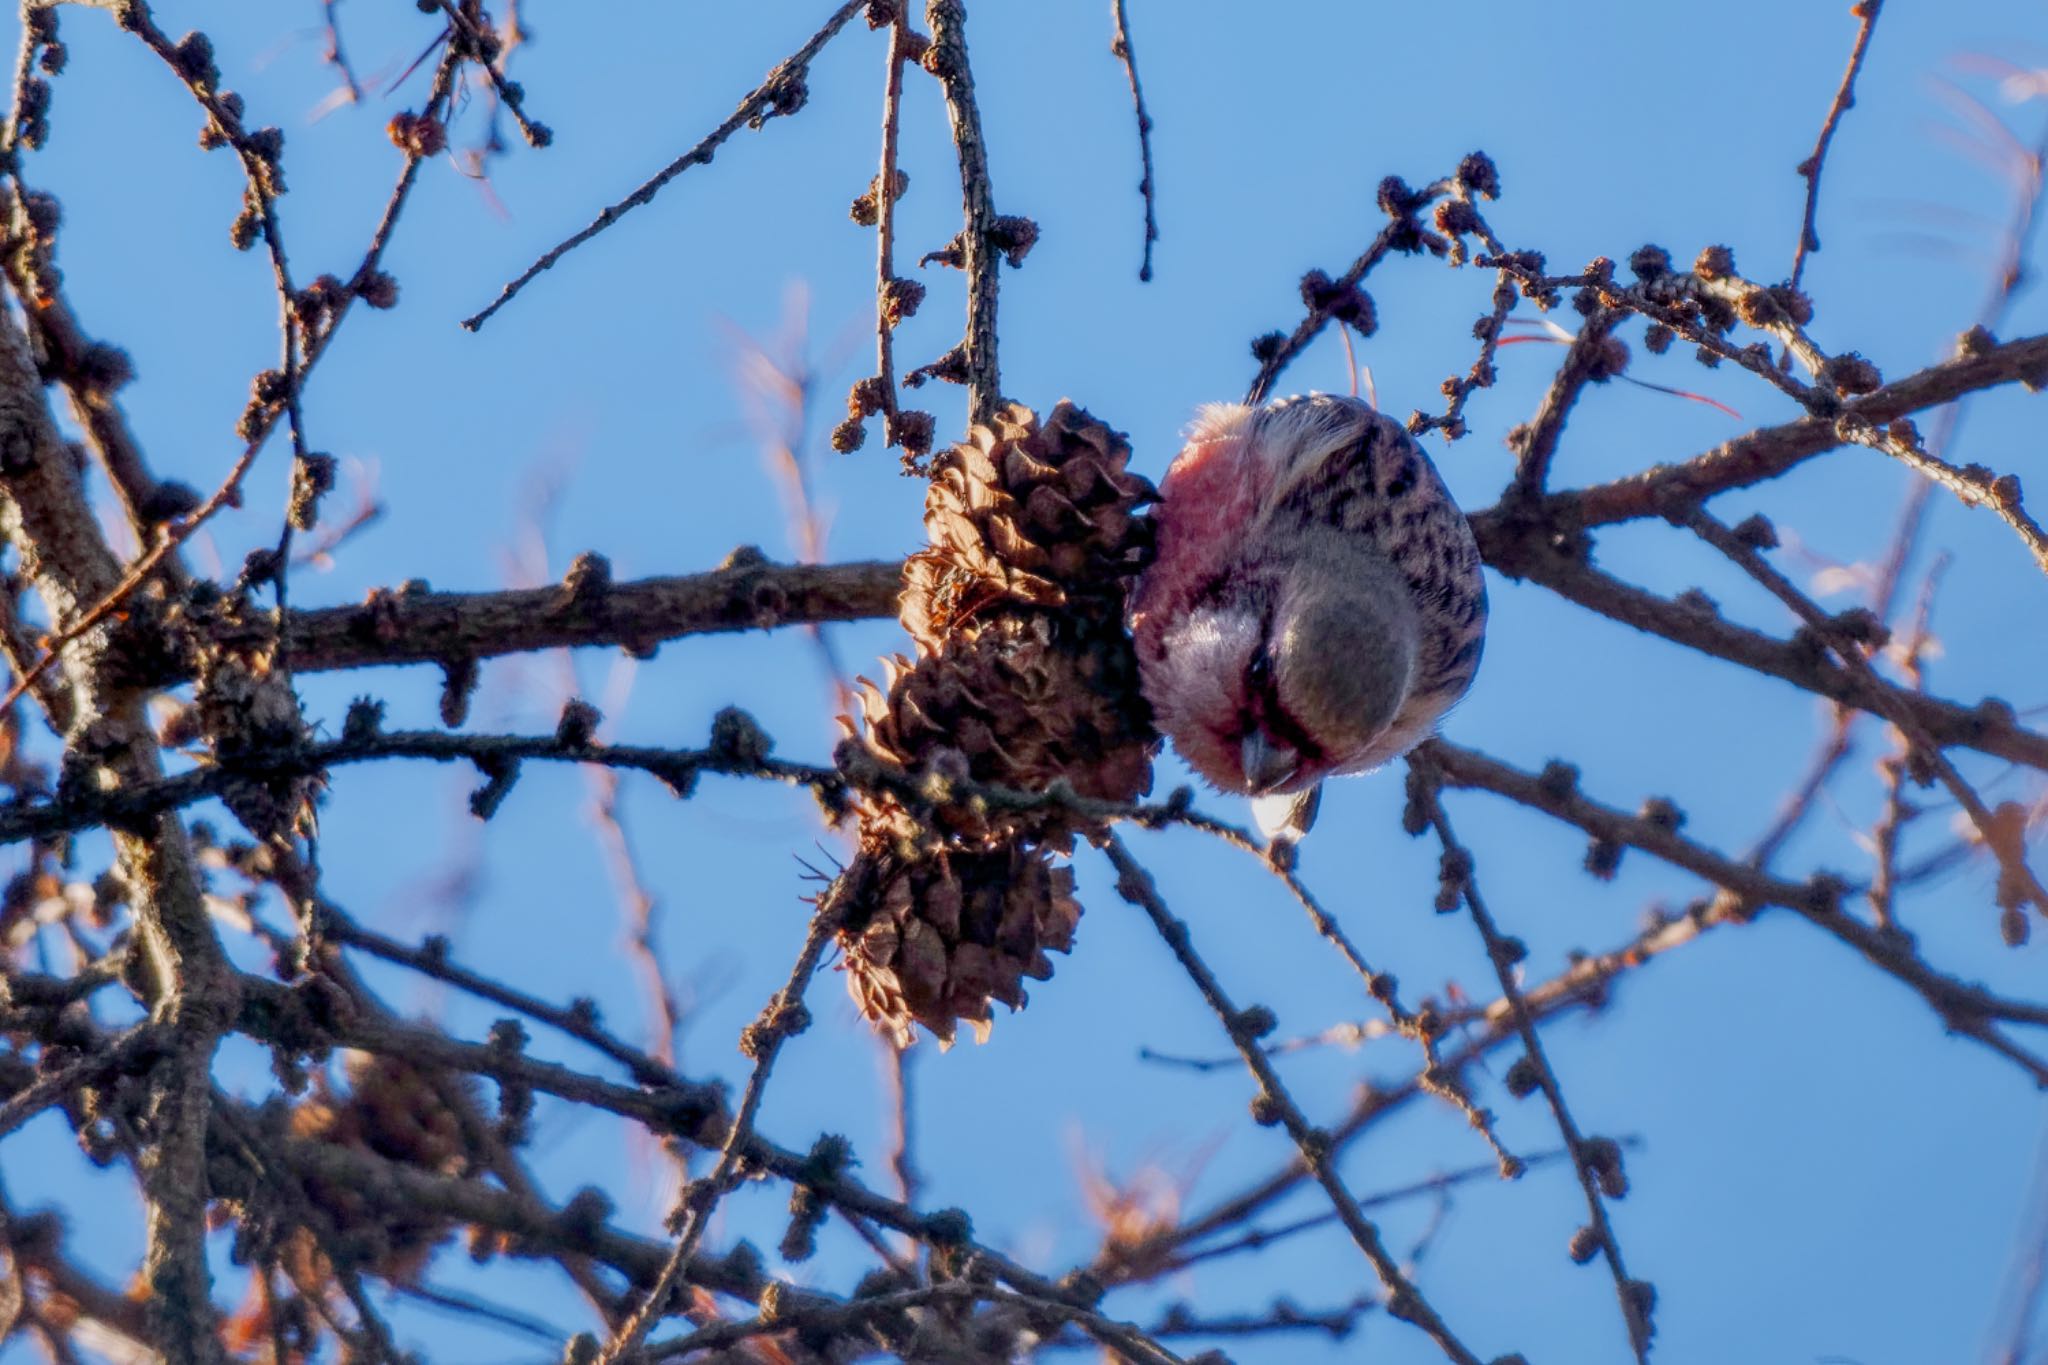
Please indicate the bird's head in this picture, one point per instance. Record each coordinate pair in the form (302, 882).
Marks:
(1292, 668)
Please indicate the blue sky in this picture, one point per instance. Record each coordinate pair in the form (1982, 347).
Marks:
(1822, 1176)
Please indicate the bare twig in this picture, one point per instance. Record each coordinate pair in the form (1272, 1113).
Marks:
(335, 55)
(1277, 351)
(1120, 47)
(1898, 811)
(431, 959)
(1588, 360)
(1845, 96)
(1973, 485)
(1912, 520)
(979, 256)
(1987, 727)
(1404, 1300)
(889, 304)
(1768, 452)
(263, 415)
(900, 1064)
(1636, 1296)
(2018, 885)
(2014, 1340)
(1834, 750)
(781, 92)
(1422, 1027)
(66, 1082)
(483, 45)
(1259, 1238)
(641, 918)
(784, 1018)
(1962, 1007)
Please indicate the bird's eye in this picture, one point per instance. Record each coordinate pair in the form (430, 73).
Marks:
(1259, 672)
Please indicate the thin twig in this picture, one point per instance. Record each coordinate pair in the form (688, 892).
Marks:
(1962, 1006)
(68, 1082)
(174, 533)
(335, 55)
(1259, 1238)
(1422, 1027)
(1768, 452)
(1588, 983)
(784, 1018)
(1973, 485)
(482, 42)
(1845, 96)
(1834, 750)
(432, 960)
(2017, 883)
(900, 1066)
(1987, 727)
(1277, 352)
(979, 256)
(1634, 1296)
(889, 308)
(781, 92)
(470, 1306)
(1585, 362)
(1404, 1300)
(1898, 811)
(1120, 47)
(2005, 282)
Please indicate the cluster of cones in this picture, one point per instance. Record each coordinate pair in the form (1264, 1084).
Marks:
(1024, 679)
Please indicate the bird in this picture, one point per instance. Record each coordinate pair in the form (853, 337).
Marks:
(1315, 603)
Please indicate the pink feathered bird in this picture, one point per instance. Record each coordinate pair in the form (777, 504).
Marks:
(1316, 603)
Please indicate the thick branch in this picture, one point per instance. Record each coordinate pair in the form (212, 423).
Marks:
(405, 627)
(416, 627)
(1988, 728)
(43, 511)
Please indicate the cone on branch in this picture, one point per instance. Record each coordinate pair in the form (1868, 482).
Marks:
(1027, 514)
(947, 934)
(1025, 702)
(393, 1109)
(1024, 678)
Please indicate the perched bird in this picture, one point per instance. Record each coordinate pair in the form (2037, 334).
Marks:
(1315, 604)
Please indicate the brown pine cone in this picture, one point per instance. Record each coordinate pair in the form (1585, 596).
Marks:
(1025, 677)
(1030, 699)
(396, 1110)
(1024, 513)
(941, 938)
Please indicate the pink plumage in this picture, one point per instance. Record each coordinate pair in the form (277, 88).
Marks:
(1316, 603)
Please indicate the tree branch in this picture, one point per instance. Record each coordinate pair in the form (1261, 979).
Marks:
(1769, 452)
(781, 92)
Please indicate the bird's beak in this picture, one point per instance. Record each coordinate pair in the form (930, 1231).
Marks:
(1267, 764)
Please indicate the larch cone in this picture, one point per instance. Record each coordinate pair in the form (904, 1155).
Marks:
(1024, 678)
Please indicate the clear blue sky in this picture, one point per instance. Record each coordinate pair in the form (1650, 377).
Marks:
(1823, 1176)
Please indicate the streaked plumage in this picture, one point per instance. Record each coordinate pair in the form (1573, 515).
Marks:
(1316, 603)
